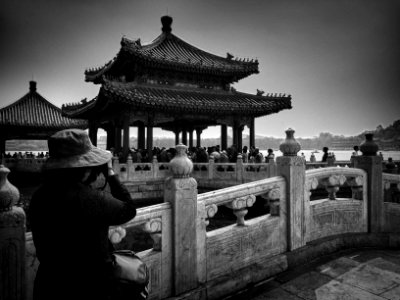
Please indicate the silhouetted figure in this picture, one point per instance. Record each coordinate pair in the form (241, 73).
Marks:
(70, 219)
(325, 155)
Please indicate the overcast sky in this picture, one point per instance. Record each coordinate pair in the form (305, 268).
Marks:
(338, 59)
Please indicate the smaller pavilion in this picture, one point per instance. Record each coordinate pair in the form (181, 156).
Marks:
(33, 118)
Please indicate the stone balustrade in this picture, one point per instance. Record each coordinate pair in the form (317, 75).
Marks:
(189, 261)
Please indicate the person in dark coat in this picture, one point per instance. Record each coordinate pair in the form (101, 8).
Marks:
(70, 220)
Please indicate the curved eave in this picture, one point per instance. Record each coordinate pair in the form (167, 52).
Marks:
(194, 101)
(169, 52)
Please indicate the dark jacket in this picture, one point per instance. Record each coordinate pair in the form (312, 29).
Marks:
(70, 222)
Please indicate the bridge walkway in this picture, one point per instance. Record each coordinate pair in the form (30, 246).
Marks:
(351, 275)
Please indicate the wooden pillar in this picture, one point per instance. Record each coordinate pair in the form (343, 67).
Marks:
(198, 137)
(126, 137)
(191, 138)
(110, 137)
(2, 146)
(141, 136)
(372, 164)
(176, 137)
(240, 138)
(93, 133)
(181, 192)
(252, 133)
(293, 168)
(184, 137)
(117, 139)
(235, 132)
(224, 137)
(12, 242)
(149, 144)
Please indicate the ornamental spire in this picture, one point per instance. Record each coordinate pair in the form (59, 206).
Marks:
(166, 22)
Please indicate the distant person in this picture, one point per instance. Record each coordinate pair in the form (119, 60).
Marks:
(356, 149)
(245, 156)
(302, 155)
(70, 220)
(270, 155)
(259, 157)
(312, 158)
(325, 155)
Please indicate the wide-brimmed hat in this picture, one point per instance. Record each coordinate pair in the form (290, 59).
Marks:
(72, 148)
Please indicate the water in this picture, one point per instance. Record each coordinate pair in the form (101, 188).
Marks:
(340, 154)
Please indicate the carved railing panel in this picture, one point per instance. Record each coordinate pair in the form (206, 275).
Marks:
(391, 187)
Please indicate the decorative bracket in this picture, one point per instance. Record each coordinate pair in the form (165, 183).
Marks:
(239, 206)
(154, 227)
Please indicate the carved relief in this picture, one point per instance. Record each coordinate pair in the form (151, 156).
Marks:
(154, 228)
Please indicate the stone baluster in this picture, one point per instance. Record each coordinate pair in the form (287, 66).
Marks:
(155, 167)
(115, 163)
(154, 228)
(239, 169)
(356, 184)
(12, 241)
(129, 168)
(211, 167)
(211, 210)
(239, 206)
(332, 184)
(181, 192)
(372, 164)
(274, 195)
(292, 168)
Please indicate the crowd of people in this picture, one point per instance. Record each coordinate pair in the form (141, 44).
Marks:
(26, 154)
(201, 154)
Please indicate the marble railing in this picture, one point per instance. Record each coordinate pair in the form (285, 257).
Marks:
(334, 215)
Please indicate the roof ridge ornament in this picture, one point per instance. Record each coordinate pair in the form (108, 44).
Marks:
(166, 22)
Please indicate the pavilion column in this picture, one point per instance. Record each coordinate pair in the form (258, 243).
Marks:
(252, 133)
(191, 138)
(110, 137)
(198, 137)
(126, 137)
(2, 146)
(93, 133)
(240, 138)
(117, 139)
(184, 137)
(141, 136)
(224, 137)
(176, 137)
(235, 133)
(149, 144)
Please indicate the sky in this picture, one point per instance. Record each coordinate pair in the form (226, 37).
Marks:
(339, 60)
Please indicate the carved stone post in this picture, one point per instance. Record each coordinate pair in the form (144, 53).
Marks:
(292, 168)
(372, 164)
(181, 192)
(239, 169)
(12, 241)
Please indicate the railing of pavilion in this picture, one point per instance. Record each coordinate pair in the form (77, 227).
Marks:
(187, 260)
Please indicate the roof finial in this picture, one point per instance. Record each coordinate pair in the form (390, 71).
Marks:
(32, 86)
(166, 22)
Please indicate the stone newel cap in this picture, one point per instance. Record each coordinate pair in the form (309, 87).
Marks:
(290, 146)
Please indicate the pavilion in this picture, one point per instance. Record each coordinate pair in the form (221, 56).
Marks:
(175, 86)
(32, 117)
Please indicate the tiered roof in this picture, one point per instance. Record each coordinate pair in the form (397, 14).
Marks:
(35, 112)
(170, 52)
(180, 100)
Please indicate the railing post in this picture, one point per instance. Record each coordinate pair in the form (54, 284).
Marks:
(181, 192)
(292, 168)
(271, 168)
(239, 169)
(115, 163)
(155, 167)
(12, 241)
(372, 164)
(211, 167)
(129, 168)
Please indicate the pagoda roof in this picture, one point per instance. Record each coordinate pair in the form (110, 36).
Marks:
(179, 100)
(170, 52)
(34, 111)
